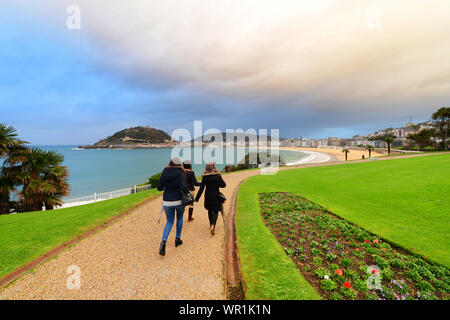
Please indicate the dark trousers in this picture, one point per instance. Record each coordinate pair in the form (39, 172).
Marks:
(212, 215)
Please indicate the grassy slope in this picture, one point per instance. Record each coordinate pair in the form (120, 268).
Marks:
(404, 200)
(26, 236)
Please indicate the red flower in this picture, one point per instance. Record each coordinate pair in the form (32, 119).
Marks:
(367, 240)
(348, 285)
(375, 241)
(339, 272)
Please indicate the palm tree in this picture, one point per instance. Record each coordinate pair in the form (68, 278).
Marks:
(8, 139)
(389, 138)
(369, 148)
(346, 151)
(8, 143)
(41, 175)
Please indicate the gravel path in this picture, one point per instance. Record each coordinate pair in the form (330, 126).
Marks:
(122, 261)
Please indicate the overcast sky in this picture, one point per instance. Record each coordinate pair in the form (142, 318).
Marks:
(309, 68)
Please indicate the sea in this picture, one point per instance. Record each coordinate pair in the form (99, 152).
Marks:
(103, 170)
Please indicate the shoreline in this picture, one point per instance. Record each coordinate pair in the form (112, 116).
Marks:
(336, 153)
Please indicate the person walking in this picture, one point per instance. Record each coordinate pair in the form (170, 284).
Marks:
(212, 181)
(173, 183)
(191, 182)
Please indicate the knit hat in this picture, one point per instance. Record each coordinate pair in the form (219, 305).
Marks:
(176, 161)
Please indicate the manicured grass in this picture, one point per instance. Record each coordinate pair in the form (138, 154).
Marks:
(26, 236)
(267, 271)
(405, 201)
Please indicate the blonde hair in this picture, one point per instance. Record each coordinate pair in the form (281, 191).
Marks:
(210, 168)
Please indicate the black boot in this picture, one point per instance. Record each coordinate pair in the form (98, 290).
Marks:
(178, 242)
(191, 212)
(162, 248)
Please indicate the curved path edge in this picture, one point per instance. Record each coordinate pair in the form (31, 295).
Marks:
(233, 276)
(16, 274)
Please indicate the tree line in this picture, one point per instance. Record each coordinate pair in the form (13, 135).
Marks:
(434, 138)
(30, 177)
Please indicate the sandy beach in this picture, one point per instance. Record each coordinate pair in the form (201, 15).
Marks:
(335, 154)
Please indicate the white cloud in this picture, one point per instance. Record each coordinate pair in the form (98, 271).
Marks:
(319, 54)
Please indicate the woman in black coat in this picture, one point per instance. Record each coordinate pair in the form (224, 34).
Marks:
(173, 182)
(212, 180)
(191, 182)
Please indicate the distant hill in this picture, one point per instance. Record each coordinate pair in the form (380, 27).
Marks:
(131, 137)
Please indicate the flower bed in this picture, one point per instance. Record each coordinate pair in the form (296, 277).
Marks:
(344, 261)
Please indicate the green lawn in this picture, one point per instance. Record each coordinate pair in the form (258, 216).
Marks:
(405, 201)
(26, 236)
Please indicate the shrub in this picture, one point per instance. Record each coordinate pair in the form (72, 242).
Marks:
(315, 252)
(321, 272)
(363, 270)
(442, 286)
(317, 261)
(330, 256)
(154, 179)
(351, 274)
(333, 267)
(360, 285)
(387, 274)
(328, 285)
(381, 262)
(413, 275)
(348, 293)
(335, 296)
(370, 296)
(424, 286)
(397, 263)
(346, 262)
(290, 252)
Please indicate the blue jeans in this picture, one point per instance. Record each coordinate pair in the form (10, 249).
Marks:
(170, 215)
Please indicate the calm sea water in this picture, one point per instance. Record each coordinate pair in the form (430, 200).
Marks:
(106, 170)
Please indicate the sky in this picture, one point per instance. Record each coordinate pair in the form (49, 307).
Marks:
(309, 68)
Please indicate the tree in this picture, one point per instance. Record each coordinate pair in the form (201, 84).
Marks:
(422, 138)
(442, 117)
(369, 148)
(389, 138)
(8, 139)
(346, 151)
(8, 142)
(40, 174)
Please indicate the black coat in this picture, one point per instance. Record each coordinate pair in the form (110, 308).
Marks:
(212, 182)
(191, 180)
(172, 181)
